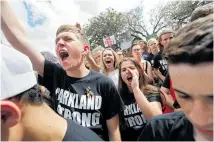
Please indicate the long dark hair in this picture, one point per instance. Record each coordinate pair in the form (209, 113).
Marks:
(143, 84)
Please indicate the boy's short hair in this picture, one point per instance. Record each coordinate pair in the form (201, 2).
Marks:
(202, 11)
(76, 29)
(193, 44)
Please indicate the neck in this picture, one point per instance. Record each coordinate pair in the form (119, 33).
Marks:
(48, 126)
(138, 58)
(130, 89)
(82, 71)
(110, 70)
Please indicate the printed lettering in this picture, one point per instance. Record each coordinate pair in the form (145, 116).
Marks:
(67, 114)
(57, 91)
(98, 102)
(95, 119)
(60, 109)
(65, 97)
(82, 102)
(131, 121)
(138, 120)
(126, 111)
(76, 117)
(71, 100)
(86, 119)
(77, 101)
(61, 96)
(90, 105)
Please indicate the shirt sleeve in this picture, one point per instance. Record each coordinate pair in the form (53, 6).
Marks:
(154, 98)
(156, 62)
(113, 103)
(51, 72)
(166, 83)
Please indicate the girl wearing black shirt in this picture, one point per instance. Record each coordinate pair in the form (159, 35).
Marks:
(142, 101)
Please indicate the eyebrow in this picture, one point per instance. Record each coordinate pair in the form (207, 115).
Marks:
(184, 93)
(179, 91)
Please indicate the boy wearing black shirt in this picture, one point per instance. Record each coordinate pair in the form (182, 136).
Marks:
(190, 56)
(87, 97)
(160, 63)
(24, 114)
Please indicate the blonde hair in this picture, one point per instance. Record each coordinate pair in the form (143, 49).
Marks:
(163, 32)
(76, 29)
(151, 41)
(98, 48)
(116, 61)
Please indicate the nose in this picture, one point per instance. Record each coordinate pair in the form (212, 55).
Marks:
(61, 43)
(200, 115)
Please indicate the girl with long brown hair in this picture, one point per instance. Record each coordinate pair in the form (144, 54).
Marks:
(142, 101)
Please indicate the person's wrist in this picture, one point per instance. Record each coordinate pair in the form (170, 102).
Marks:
(135, 88)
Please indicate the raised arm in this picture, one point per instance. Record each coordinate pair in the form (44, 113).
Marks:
(15, 34)
(91, 62)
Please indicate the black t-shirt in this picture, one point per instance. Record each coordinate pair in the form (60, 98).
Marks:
(89, 101)
(166, 82)
(132, 118)
(77, 132)
(160, 63)
(150, 59)
(168, 127)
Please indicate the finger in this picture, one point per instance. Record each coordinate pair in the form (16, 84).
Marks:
(133, 73)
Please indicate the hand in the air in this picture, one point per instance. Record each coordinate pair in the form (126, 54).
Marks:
(135, 79)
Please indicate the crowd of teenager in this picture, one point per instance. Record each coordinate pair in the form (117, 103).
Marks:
(157, 90)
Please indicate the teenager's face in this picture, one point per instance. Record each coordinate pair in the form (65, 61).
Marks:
(143, 46)
(120, 55)
(69, 50)
(97, 56)
(125, 74)
(136, 51)
(165, 38)
(108, 59)
(197, 104)
(153, 47)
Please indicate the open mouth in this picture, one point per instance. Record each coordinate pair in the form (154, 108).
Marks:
(108, 62)
(129, 78)
(63, 55)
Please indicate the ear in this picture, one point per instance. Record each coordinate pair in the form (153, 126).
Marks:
(86, 49)
(10, 114)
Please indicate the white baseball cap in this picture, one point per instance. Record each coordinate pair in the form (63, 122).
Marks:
(17, 73)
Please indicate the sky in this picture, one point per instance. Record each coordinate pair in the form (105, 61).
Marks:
(41, 18)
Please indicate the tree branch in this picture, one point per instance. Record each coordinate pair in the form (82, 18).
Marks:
(135, 36)
(137, 32)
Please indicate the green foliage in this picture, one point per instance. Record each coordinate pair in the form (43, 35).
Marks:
(107, 23)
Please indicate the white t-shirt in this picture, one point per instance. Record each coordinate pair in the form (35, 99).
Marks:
(114, 75)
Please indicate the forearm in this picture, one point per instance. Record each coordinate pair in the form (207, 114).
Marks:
(8, 17)
(148, 110)
(113, 128)
(149, 79)
(159, 75)
(115, 136)
(15, 34)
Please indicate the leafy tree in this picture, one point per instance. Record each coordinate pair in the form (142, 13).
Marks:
(107, 23)
(177, 13)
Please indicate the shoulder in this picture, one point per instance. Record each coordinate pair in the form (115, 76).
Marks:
(168, 127)
(77, 132)
(102, 79)
(169, 118)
